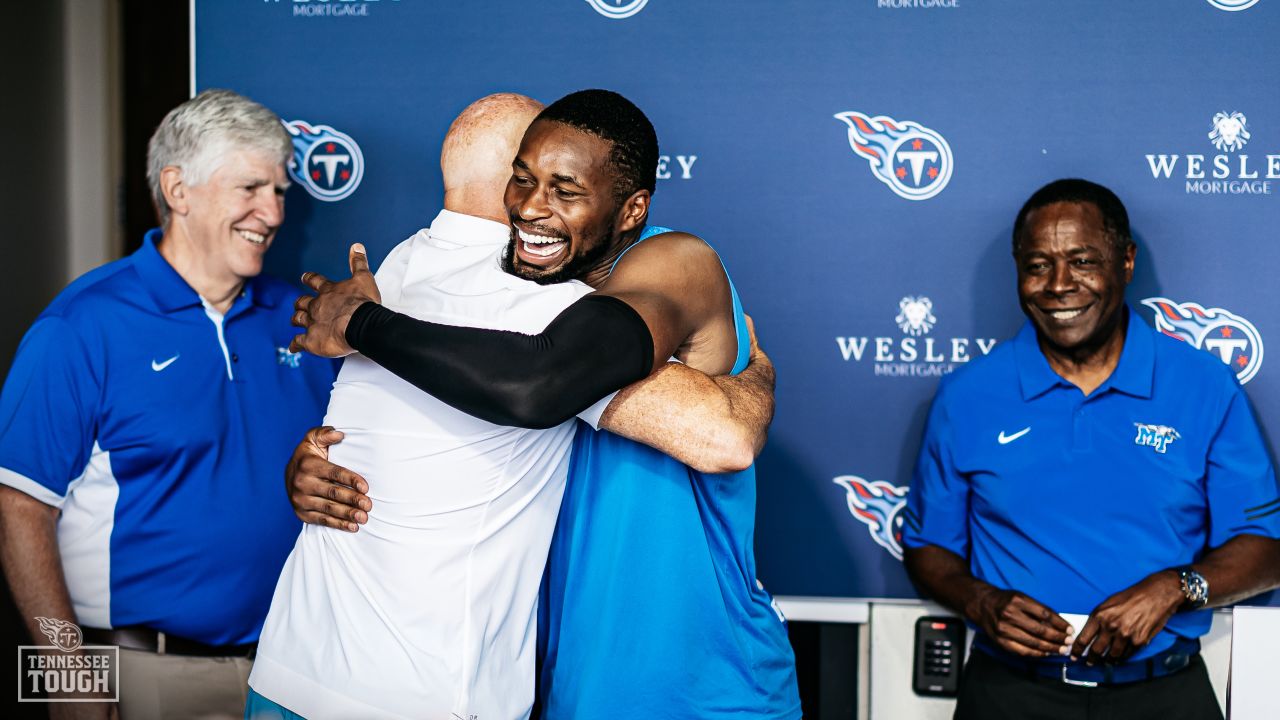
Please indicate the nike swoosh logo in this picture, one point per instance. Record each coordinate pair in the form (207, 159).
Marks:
(1006, 439)
(160, 366)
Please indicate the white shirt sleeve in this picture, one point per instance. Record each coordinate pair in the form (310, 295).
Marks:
(591, 415)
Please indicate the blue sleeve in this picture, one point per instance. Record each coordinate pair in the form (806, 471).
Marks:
(48, 412)
(1240, 482)
(938, 505)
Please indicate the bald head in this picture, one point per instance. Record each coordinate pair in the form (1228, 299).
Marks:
(478, 150)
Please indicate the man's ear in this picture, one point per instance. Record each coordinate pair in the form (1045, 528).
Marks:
(635, 211)
(174, 189)
(1128, 260)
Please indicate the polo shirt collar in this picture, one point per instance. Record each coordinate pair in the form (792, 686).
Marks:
(1133, 374)
(166, 287)
(264, 294)
(469, 230)
(170, 291)
(1034, 374)
(1136, 371)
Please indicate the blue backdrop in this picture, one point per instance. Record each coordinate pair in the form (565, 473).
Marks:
(857, 163)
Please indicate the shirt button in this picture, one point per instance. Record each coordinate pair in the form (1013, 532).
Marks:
(235, 357)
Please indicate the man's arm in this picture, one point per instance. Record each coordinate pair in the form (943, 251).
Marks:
(33, 569)
(712, 424)
(1244, 566)
(32, 563)
(1243, 520)
(936, 539)
(48, 408)
(668, 290)
(1125, 622)
(1014, 620)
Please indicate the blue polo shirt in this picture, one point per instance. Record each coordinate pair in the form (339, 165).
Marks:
(1071, 499)
(161, 429)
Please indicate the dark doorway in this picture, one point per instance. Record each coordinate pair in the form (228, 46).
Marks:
(157, 77)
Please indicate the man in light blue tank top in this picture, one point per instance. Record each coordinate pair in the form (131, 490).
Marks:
(652, 606)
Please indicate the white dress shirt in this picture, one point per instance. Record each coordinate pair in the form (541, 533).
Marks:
(429, 611)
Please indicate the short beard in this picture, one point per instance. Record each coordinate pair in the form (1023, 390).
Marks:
(575, 269)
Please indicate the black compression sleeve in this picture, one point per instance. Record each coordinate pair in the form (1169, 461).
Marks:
(596, 346)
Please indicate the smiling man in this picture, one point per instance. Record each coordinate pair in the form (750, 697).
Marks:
(429, 610)
(653, 609)
(1090, 466)
(147, 416)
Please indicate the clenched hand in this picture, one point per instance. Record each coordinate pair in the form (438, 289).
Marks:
(325, 316)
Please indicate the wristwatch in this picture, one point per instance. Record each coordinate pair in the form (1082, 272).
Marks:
(1194, 587)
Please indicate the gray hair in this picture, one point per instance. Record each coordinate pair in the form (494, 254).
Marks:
(196, 136)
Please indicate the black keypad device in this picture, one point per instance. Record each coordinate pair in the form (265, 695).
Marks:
(938, 656)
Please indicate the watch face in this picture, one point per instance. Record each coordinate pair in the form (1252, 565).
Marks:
(1195, 588)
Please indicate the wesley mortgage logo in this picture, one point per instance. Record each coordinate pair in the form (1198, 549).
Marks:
(916, 354)
(1230, 171)
(67, 670)
(333, 8)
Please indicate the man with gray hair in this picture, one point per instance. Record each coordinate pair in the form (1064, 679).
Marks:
(145, 422)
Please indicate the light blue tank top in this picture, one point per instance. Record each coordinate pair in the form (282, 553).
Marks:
(651, 608)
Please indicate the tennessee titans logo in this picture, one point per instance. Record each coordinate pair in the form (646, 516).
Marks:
(326, 162)
(1229, 133)
(878, 505)
(1230, 337)
(1233, 5)
(64, 635)
(618, 9)
(914, 161)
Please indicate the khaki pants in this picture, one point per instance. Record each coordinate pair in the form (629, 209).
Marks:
(180, 687)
